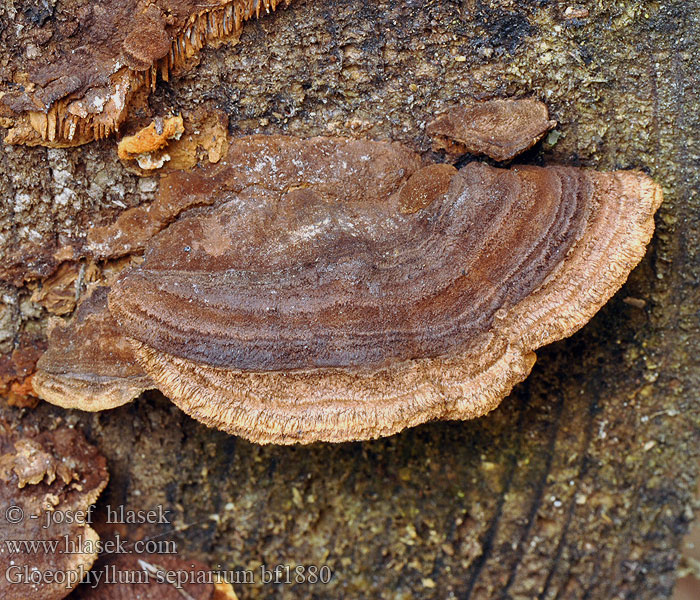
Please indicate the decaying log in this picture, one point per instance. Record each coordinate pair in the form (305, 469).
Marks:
(578, 485)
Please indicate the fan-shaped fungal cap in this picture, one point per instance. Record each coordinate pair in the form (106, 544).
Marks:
(500, 129)
(248, 168)
(310, 306)
(89, 364)
(52, 472)
(119, 48)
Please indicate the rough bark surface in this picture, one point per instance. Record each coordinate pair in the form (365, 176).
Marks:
(579, 485)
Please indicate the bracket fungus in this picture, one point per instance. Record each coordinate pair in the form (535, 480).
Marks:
(89, 364)
(48, 480)
(120, 47)
(334, 289)
(500, 128)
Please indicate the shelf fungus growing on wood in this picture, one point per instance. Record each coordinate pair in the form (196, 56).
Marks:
(331, 289)
(89, 363)
(501, 128)
(120, 47)
(48, 480)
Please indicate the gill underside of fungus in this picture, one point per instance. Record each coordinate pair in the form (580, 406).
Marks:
(124, 47)
(334, 289)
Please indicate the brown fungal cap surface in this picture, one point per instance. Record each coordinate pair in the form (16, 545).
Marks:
(89, 364)
(307, 304)
(119, 48)
(500, 129)
(53, 472)
(424, 186)
(244, 171)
